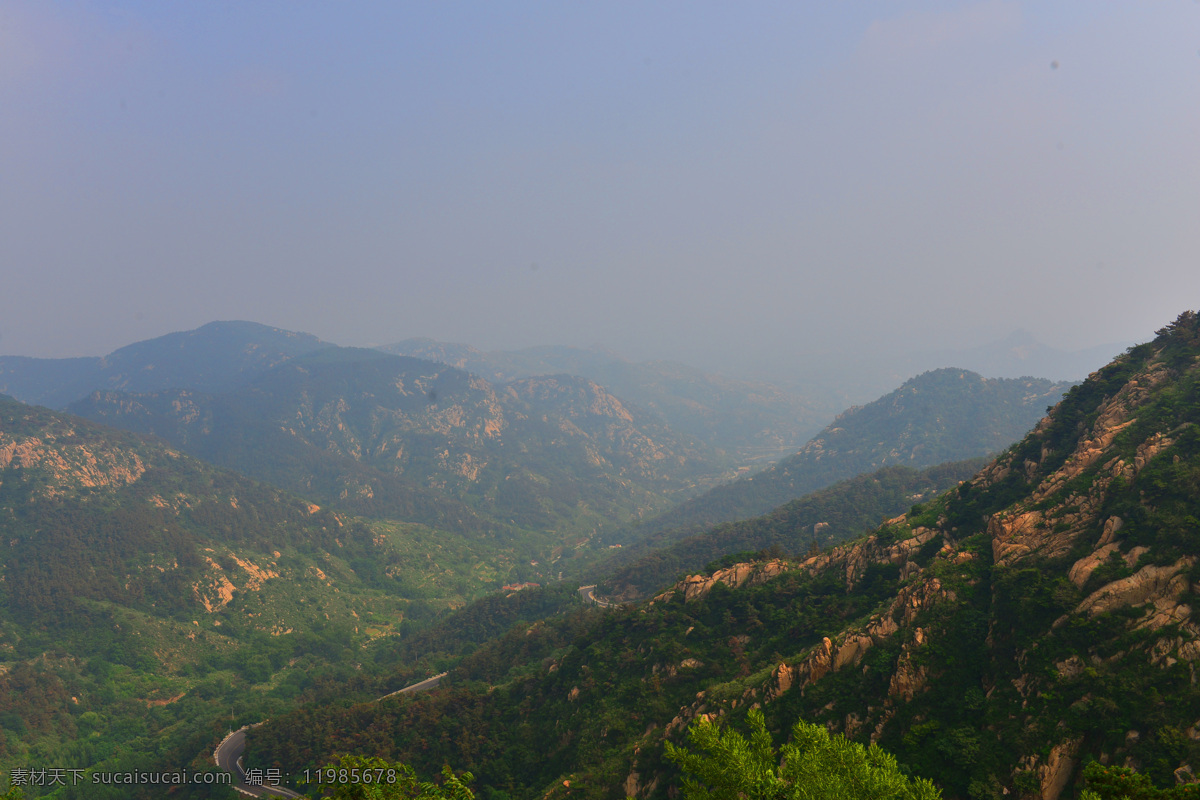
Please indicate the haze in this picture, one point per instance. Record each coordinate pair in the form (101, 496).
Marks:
(747, 187)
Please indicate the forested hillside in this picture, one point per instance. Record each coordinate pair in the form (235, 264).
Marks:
(148, 600)
(994, 637)
(846, 510)
(940, 416)
(375, 434)
(752, 421)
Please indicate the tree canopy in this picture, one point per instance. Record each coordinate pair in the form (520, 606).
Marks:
(813, 766)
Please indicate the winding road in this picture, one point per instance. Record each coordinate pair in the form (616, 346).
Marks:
(228, 755)
(589, 596)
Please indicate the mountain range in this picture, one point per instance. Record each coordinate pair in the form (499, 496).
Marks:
(939, 416)
(281, 527)
(994, 637)
(753, 421)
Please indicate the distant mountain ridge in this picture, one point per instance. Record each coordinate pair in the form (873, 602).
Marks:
(549, 453)
(751, 420)
(856, 378)
(846, 510)
(213, 358)
(1020, 353)
(939, 416)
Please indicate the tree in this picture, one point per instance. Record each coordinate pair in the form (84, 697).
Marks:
(814, 766)
(361, 778)
(1122, 783)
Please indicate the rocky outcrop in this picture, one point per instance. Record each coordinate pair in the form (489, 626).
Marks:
(909, 677)
(782, 679)
(743, 574)
(853, 558)
(1056, 773)
(850, 648)
(1084, 567)
(63, 463)
(1148, 584)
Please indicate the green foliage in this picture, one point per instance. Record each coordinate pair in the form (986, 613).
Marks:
(939, 416)
(827, 517)
(1122, 783)
(351, 429)
(813, 766)
(574, 691)
(111, 659)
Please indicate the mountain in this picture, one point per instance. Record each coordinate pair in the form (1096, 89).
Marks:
(38, 380)
(753, 421)
(377, 434)
(846, 510)
(993, 638)
(939, 416)
(146, 596)
(1020, 353)
(214, 358)
(854, 378)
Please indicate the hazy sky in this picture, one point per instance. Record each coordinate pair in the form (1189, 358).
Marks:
(722, 183)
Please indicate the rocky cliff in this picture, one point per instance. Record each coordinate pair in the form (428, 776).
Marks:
(1044, 613)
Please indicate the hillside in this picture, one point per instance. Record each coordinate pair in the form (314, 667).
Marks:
(752, 421)
(992, 638)
(389, 436)
(939, 416)
(830, 516)
(214, 358)
(145, 597)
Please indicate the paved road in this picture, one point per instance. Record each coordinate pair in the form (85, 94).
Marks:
(228, 754)
(589, 596)
(428, 683)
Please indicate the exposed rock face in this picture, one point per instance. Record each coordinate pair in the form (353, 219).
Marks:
(1147, 585)
(781, 681)
(631, 785)
(1056, 773)
(910, 677)
(1085, 566)
(63, 463)
(214, 592)
(745, 573)
(1045, 511)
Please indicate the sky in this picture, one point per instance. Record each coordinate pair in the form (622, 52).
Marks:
(743, 186)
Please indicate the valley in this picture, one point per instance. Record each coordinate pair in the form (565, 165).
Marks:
(994, 637)
(599, 401)
(551, 547)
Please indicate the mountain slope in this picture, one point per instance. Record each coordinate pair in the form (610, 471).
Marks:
(214, 358)
(145, 596)
(750, 420)
(992, 638)
(846, 510)
(554, 453)
(940, 416)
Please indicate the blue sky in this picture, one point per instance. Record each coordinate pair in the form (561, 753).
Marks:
(742, 186)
